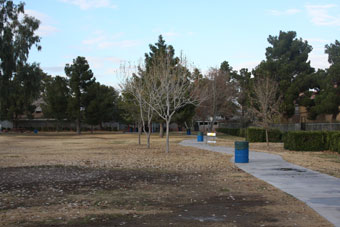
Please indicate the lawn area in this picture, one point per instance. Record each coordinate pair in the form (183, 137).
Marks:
(325, 162)
(62, 179)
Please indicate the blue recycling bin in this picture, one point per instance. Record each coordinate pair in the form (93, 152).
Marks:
(241, 151)
(200, 137)
(188, 131)
(35, 131)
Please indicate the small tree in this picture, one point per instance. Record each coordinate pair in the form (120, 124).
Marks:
(170, 88)
(137, 88)
(265, 103)
(222, 93)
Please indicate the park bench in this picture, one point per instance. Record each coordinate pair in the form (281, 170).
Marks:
(211, 137)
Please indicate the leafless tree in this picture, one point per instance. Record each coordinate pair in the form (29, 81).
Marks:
(220, 100)
(170, 89)
(265, 102)
(136, 87)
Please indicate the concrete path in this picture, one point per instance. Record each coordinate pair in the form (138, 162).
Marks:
(319, 191)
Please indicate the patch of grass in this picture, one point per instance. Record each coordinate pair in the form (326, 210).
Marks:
(334, 157)
(118, 142)
(95, 220)
(225, 190)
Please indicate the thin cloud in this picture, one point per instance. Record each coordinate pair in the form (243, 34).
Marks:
(321, 16)
(103, 41)
(284, 12)
(45, 28)
(170, 34)
(100, 62)
(91, 4)
(54, 69)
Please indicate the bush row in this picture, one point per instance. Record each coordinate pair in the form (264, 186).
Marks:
(294, 140)
(312, 141)
(253, 134)
(231, 131)
(259, 135)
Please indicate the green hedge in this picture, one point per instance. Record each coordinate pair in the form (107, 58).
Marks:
(306, 141)
(232, 131)
(333, 141)
(243, 132)
(259, 135)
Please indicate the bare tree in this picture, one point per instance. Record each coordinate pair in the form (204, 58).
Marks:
(170, 89)
(136, 87)
(265, 102)
(221, 97)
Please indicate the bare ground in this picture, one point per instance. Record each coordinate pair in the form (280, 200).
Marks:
(108, 180)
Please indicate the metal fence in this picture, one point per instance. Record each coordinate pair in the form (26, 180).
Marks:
(308, 127)
(295, 127)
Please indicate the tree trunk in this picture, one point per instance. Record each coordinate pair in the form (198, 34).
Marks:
(139, 133)
(267, 139)
(149, 134)
(91, 129)
(78, 125)
(167, 136)
(161, 130)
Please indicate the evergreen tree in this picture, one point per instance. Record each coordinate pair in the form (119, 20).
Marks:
(80, 79)
(55, 97)
(327, 101)
(286, 61)
(101, 104)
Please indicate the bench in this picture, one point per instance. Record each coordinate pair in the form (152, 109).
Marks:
(211, 137)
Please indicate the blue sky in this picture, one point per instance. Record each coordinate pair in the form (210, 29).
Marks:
(111, 32)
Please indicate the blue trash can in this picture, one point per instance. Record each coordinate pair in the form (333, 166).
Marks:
(35, 131)
(241, 151)
(200, 137)
(188, 131)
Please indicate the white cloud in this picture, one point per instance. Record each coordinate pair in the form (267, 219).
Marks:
(103, 41)
(170, 34)
(283, 12)
(321, 16)
(45, 27)
(54, 69)
(250, 65)
(318, 60)
(317, 57)
(90, 4)
(100, 62)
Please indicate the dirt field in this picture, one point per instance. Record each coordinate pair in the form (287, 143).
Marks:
(108, 180)
(325, 162)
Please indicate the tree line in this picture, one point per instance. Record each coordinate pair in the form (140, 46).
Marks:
(165, 88)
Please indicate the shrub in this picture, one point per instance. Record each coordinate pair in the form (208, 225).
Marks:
(306, 141)
(229, 131)
(259, 135)
(275, 135)
(333, 141)
(242, 132)
(256, 135)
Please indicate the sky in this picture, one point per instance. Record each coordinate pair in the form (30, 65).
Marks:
(111, 33)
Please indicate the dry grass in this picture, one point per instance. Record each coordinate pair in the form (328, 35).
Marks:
(108, 180)
(325, 162)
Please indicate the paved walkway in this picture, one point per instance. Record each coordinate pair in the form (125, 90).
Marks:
(319, 191)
